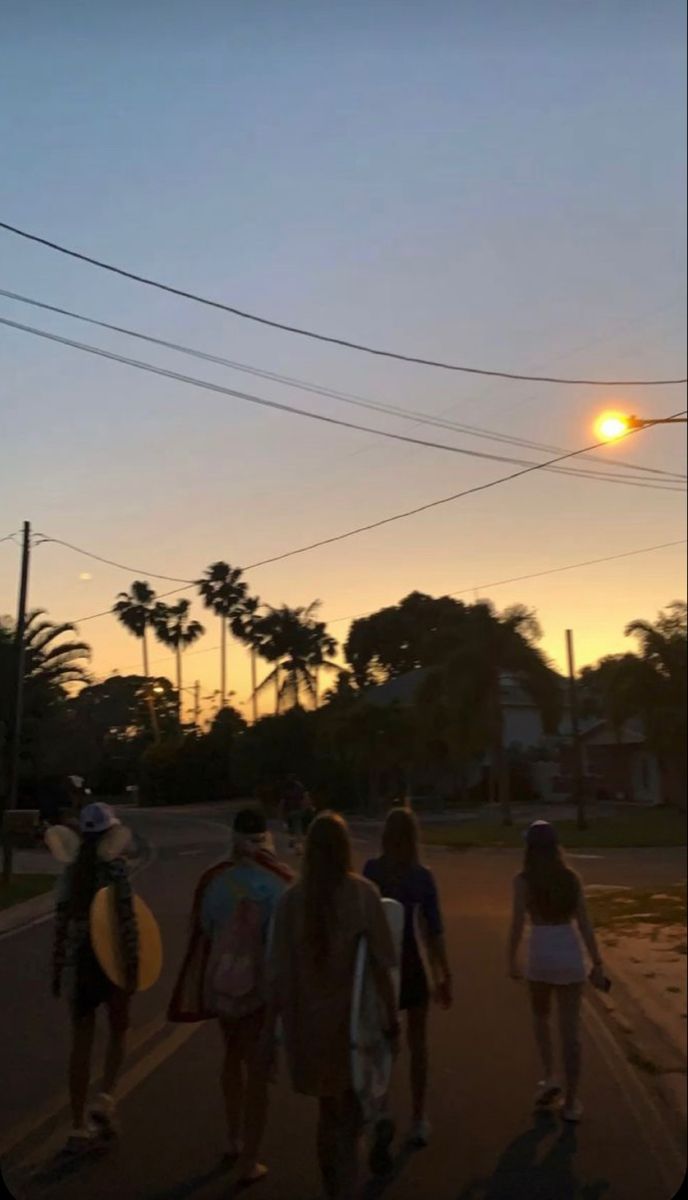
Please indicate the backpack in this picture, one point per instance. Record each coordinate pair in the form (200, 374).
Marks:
(237, 979)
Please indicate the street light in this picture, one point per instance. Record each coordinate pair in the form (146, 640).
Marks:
(613, 425)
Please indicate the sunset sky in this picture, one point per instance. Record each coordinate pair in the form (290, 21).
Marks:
(501, 185)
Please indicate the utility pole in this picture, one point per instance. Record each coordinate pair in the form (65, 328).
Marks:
(197, 703)
(15, 742)
(579, 783)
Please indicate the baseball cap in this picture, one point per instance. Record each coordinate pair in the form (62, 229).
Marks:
(250, 822)
(541, 833)
(97, 818)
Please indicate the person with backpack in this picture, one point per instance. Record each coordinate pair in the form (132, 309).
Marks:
(98, 863)
(399, 875)
(317, 929)
(550, 894)
(223, 976)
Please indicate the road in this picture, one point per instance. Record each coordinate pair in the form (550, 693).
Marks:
(486, 1145)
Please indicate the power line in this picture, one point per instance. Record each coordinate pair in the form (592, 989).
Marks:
(411, 512)
(247, 397)
(494, 583)
(109, 562)
(538, 574)
(321, 337)
(414, 417)
(388, 520)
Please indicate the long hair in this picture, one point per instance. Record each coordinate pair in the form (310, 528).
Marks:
(551, 887)
(84, 875)
(326, 864)
(400, 841)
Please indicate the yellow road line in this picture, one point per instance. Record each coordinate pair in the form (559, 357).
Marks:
(24, 1129)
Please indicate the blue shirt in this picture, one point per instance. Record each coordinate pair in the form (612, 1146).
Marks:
(416, 890)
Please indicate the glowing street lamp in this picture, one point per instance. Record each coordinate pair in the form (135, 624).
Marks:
(612, 425)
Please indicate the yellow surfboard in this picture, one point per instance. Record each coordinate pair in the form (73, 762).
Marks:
(106, 944)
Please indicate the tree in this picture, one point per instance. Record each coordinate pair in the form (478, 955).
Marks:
(174, 627)
(224, 592)
(417, 632)
(651, 685)
(467, 692)
(135, 609)
(251, 634)
(298, 645)
(53, 662)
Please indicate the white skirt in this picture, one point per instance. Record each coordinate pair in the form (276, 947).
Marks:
(555, 955)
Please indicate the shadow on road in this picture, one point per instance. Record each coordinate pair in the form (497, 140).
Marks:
(196, 1183)
(378, 1186)
(521, 1175)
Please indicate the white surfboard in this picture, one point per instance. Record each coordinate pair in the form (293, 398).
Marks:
(371, 1056)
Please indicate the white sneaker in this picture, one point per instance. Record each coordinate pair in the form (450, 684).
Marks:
(420, 1133)
(572, 1112)
(547, 1092)
(102, 1116)
(80, 1141)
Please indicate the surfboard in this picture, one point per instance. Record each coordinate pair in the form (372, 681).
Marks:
(371, 1056)
(106, 942)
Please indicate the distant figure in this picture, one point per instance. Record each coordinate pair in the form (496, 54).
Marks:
(295, 804)
(223, 976)
(318, 926)
(551, 895)
(88, 986)
(399, 875)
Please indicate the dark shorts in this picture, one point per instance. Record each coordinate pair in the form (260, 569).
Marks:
(93, 988)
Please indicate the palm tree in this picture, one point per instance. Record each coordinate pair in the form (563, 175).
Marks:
(297, 645)
(135, 611)
(174, 627)
(223, 590)
(252, 636)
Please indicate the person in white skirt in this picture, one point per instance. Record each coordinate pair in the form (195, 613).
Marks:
(550, 894)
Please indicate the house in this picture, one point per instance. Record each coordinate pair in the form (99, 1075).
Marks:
(523, 725)
(435, 778)
(619, 763)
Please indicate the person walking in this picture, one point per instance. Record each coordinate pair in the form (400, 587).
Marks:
(550, 894)
(75, 965)
(399, 875)
(223, 977)
(318, 926)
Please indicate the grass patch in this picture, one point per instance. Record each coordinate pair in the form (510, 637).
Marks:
(629, 829)
(25, 887)
(623, 909)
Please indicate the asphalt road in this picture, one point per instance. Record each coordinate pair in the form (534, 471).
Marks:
(486, 1145)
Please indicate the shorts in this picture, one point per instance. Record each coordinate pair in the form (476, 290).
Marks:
(93, 988)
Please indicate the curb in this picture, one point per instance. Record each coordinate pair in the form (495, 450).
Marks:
(646, 1045)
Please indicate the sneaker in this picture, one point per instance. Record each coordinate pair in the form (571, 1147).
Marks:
(380, 1159)
(420, 1134)
(102, 1116)
(547, 1092)
(80, 1141)
(252, 1173)
(572, 1112)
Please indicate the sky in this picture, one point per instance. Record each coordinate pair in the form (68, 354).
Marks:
(497, 185)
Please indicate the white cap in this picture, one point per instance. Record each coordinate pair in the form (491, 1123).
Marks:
(97, 818)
